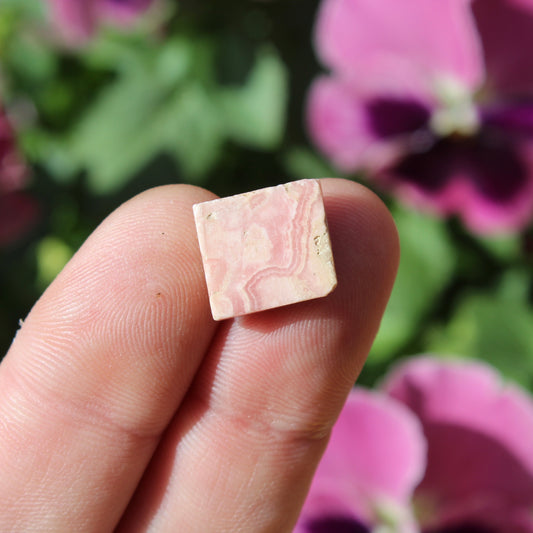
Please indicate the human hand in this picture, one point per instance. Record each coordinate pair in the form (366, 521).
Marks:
(124, 405)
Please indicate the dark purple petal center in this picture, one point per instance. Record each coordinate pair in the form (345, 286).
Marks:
(512, 119)
(336, 524)
(506, 32)
(390, 117)
(462, 528)
(492, 165)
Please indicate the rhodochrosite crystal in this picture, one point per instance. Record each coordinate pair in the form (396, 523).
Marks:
(265, 248)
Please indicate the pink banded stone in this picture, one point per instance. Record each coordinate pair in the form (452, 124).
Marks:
(266, 248)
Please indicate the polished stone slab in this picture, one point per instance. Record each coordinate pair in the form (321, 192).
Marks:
(266, 248)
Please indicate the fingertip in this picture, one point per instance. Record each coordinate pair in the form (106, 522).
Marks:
(366, 252)
(353, 208)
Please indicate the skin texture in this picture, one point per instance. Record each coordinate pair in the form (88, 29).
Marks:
(124, 405)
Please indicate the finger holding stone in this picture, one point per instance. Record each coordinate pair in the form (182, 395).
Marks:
(100, 366)
(242, 449)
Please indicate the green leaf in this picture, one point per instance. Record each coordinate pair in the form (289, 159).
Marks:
(302, 163)
(156, 105)
(254, 115)
(192, 130)
(165, 100)
(117, 134)
(30, 9)
(426, 266)
(506, 248)
(30, 59)
(494, 326)
(52, 255)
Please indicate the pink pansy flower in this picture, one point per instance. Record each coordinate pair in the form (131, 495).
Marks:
(375, 458)
(444, 448)
(77, 20)
(434, 98)
(17, 210)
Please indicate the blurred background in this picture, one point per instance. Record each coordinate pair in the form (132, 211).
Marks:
(100, 105)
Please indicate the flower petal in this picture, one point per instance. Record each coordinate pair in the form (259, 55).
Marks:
(436, 38)
(335, 524)
(357, 131)
(374, 460)
(13, 171)
(513, 119)
(76, 21)
(488, 182)
(474, 397)
(480, 437)
(506, 30)
(18, 213)
(122, 12)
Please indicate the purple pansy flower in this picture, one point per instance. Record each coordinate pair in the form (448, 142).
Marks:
(17, 210)
(446, 449)
(434, 98)
(77, 20)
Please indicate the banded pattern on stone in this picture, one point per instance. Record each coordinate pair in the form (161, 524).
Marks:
(266, 248)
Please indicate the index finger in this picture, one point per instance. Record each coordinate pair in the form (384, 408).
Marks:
(100, 366)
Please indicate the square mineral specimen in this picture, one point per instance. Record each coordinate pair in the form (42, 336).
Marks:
(266, 248)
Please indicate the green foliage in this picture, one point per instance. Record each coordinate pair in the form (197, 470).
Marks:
(52, 255)
(165, 100)
(495, 326)
(144, 111)
(426, 266)
(254, 115)
(302, 163)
